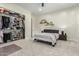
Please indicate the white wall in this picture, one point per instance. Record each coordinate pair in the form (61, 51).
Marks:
(77, 18)
(34, 24)
(27, 14)
(68, 18)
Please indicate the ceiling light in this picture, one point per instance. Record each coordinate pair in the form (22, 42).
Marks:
(40, 9)
(42, 4)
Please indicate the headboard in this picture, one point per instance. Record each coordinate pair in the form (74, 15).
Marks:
(50, 31)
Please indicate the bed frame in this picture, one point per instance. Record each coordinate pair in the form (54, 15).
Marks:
(47, 31)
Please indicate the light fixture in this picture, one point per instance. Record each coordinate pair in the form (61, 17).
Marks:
(42, 4)
(41, 8)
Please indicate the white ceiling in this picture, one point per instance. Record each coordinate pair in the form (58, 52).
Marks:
(48, 7)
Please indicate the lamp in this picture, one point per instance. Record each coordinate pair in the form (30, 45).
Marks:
(62, 28)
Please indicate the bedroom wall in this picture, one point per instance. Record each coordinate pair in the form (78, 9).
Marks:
(27, 14)
(34, 24)
(77, 18)
(68, 18)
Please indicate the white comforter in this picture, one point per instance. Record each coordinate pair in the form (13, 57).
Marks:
(50, 37)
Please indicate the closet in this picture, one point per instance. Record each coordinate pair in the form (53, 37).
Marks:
(12, 26)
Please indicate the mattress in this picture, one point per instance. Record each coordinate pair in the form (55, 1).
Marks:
(50, 37)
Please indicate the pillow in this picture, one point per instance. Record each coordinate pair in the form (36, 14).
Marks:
(50, 31)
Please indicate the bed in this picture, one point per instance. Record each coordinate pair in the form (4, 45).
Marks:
(47, 35)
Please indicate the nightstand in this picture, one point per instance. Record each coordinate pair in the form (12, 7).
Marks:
(63, 36)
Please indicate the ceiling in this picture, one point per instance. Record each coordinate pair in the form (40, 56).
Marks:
(48, 7)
